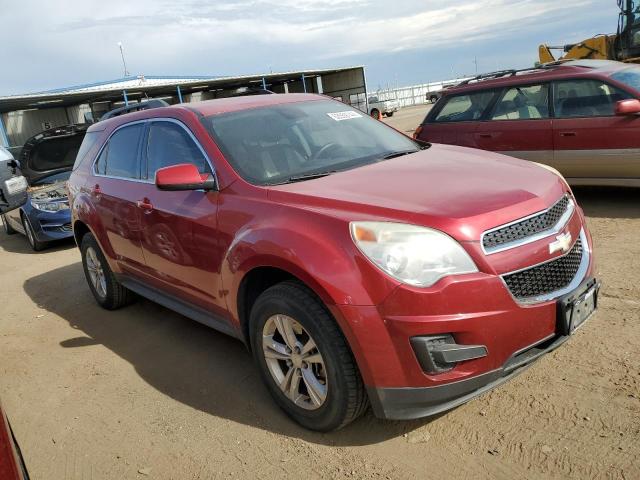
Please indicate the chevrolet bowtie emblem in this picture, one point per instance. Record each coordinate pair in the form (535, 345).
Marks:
(563, 243)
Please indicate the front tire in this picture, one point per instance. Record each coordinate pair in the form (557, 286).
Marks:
(107, 291)
(36, 244)
(390, 114)
(304, 359)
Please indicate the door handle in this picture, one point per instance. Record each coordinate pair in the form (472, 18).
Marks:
(145, 204)
(485, 135)
(567, 134)
(96, 190)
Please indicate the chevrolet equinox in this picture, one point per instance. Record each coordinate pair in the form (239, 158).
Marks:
(358, 266)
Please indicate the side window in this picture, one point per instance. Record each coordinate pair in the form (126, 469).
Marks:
(586, 98)
(119, 158)
(169, 144)
(465, 108)
(523, 103)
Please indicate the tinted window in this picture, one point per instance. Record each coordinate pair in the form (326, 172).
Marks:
(119, 158)
(170, 144)
(586, 98)
(464, 108)
(276, 143)
(523, 103)
(89, 141)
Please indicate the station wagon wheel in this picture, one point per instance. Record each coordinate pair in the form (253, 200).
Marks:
(106, 289)
(294, 361)
(304, 359)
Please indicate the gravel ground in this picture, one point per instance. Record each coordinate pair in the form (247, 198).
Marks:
(146, 393)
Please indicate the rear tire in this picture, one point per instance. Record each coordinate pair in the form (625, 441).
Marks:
(390, 114)
(8, 229)
(36, 244)
(325, 391)
(107, 291)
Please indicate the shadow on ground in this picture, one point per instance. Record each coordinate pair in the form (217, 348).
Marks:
(189, 362)
(18, 243)
(609, 202)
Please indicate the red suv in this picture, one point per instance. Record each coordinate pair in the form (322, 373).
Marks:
(357, 265)
(581, 117)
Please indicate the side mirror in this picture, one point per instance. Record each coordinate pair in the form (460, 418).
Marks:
(13, 187)
(184, 176)
(628, 107)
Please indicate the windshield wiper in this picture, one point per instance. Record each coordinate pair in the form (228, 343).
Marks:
(309, 176)
(400, 153)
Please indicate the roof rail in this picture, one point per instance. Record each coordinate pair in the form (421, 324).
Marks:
(134, 107)
(510, 73)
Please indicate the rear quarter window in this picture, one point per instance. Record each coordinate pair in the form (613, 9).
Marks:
(90, 141)
(464, 107)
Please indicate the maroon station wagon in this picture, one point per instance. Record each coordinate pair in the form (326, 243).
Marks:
(581, 117)
(358, 266)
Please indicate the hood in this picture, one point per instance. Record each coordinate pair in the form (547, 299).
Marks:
(50, 152)
(460, 191)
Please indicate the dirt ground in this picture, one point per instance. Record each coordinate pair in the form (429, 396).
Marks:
(146, 393)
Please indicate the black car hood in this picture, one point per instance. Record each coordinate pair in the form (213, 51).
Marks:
(50, 152)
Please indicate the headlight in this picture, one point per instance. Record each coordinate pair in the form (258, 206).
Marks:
(414, 255)
(51, 207)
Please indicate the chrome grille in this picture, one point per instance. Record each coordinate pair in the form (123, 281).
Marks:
(527, 227)
(547, 277)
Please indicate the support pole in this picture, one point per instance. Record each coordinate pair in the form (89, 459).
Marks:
(304, 84)
(286, 87)
(3, 133)
(179, 94)
(264, 84)
(126, 100)
(319, 84)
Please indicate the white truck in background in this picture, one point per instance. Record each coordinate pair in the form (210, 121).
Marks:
(385, 107)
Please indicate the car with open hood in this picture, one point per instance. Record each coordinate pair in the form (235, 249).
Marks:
(357, 265)
(46, 161)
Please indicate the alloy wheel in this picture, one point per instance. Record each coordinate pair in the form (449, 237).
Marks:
(96, 272)
(295, 362)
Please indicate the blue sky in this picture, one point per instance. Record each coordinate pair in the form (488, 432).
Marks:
(67, 42)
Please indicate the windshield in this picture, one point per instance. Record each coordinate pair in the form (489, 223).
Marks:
(298, 141)
(629, 76)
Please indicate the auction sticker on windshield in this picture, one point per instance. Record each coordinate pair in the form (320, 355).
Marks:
(348, 115)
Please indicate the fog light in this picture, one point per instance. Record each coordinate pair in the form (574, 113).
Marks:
(440, 353)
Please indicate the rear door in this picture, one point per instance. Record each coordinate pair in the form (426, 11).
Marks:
(589, 139)
(519, 124)
(114, 194)
(180, 240)
(456, 118)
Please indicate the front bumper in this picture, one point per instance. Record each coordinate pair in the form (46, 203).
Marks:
(49, 226)
(475, 310)
(411, 403)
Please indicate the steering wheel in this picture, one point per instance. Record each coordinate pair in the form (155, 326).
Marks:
(326, 147)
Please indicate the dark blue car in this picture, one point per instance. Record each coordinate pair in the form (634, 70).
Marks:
(46, 160)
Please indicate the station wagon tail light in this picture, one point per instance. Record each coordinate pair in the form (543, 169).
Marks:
(414, 255)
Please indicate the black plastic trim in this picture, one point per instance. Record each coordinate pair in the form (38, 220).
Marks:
(411, 403)
(180, 306)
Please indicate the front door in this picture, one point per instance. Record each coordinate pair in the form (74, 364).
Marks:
(180, 236)
(589, 139)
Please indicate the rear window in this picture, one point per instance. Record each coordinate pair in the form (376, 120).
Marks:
(90, 140)
(55, 152)
(466, 107)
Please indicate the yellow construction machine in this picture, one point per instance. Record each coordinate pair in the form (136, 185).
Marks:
(624, 46)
